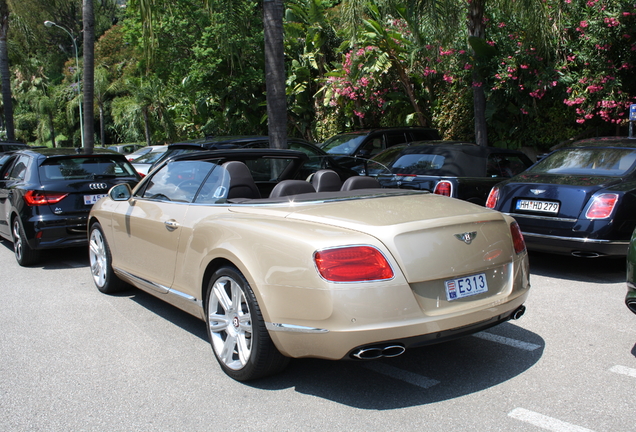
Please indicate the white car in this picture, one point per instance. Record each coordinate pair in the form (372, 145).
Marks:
(143, 151)
(143, 163)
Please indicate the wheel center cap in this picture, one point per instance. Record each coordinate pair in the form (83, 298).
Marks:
(235, 322)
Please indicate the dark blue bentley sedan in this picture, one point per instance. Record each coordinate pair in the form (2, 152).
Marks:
(579, 200)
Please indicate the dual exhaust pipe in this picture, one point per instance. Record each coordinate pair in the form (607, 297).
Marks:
(393, 350)
(376, 352)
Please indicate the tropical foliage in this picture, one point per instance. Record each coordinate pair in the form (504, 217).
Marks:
(189, 68)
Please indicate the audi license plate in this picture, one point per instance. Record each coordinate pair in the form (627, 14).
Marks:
(466, 286)
(92, 199)
(538, 206)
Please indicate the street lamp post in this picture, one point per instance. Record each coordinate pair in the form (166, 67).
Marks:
(79, 85)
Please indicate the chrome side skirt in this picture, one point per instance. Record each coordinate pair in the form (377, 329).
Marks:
(293, 328)
(183, 301)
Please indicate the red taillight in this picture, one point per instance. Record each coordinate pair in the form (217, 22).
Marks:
(517, 238)
(493, 197)
(352, 264)
(602, 206)
(36, 198)
(443, 188)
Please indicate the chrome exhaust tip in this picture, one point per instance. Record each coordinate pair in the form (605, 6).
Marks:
(518, 313)
(376, 352)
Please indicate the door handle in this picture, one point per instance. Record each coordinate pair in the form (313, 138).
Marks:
(171, 224)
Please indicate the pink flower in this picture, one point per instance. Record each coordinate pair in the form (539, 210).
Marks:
(523, 111)
(448, 78)
(583, 24)
(468, 66)
(501, 25)
(359, 114)
(612, 22)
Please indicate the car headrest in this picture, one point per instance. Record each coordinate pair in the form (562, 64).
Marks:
(360, 182)
(326, 181)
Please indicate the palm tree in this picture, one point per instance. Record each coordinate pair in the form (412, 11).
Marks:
(88, 16)
(275, 73)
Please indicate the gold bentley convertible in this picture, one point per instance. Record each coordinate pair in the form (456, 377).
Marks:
(284, 263)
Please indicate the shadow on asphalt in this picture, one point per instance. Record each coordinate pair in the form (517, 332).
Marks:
(460, 367)
(56, 259)
(593, 270)
(457, 368)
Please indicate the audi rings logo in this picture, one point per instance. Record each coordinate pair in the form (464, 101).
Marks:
(96, 186)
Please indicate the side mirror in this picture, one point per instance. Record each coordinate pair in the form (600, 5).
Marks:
(121, 192)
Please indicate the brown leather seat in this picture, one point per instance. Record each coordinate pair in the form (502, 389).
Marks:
(241, 182)
(291, 187)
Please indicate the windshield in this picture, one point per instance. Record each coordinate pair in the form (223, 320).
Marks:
(587, 161)
(89, 167)
(345, 144)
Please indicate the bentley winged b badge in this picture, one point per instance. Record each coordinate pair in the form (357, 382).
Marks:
(466, 237)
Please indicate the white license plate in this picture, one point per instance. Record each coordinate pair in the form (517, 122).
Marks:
(538, 206)
(92, 199)
(466, 286)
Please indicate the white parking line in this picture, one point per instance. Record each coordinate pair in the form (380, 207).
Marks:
(623, 370)
(507, 341)
(545, 422)
(402, 375)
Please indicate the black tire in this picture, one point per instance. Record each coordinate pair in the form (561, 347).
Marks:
(101, 262)
(237, 333)
(24, 254)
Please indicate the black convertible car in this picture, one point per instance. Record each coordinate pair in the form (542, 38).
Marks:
(579, 200)
(456, 169)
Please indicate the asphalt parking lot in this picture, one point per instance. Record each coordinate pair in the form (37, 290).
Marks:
(72, 359)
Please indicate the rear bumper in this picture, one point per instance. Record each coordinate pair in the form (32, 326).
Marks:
(53, 232)
(300, 342)
(583, 247)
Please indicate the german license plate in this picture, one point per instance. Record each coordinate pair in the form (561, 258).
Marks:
(466, 286)
(538, 206)
(92, 199)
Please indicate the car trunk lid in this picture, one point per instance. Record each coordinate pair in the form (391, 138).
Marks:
(568, 195)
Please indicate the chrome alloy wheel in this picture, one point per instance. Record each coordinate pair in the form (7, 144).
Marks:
(230, 323)
(18, 246)
(98, 257)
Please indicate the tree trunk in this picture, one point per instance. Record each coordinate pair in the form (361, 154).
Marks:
(4, 71)
(89, 75)
(52, 128)
(476, 28)
(102, 134)
(275, 73)
(408, 87)
(144, 110)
